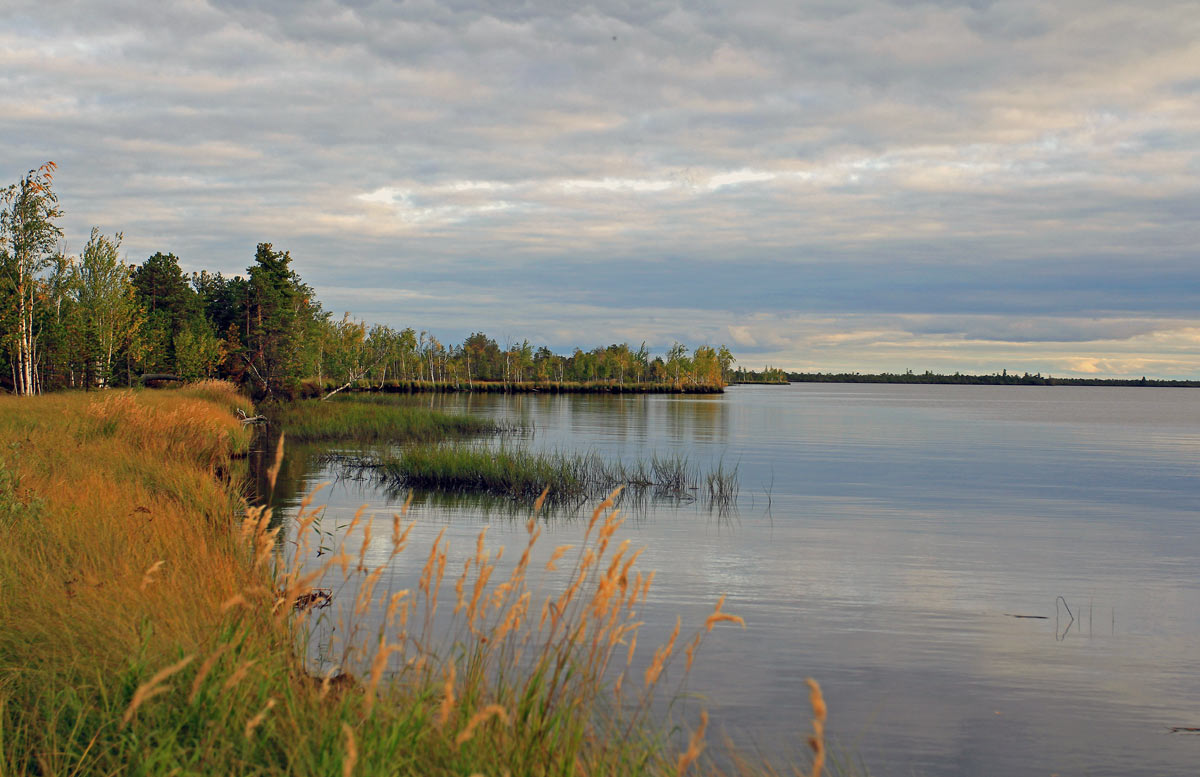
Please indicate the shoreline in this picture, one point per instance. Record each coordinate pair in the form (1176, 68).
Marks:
(972, 380)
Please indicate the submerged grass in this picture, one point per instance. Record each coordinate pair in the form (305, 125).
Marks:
(149, 623)
(365, 419)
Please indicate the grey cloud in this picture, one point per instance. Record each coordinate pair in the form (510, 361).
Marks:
(1032, 163)
(1062, 329)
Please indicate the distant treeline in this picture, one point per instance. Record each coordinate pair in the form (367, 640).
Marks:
(998, 379)
(775, 376)
(91, 321)
(770, 375)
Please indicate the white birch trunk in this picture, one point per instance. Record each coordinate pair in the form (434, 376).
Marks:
(25, 341)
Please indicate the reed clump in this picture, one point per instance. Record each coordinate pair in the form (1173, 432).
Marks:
(722, 484)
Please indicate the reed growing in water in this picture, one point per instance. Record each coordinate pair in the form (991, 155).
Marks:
(149, 623)
(524, 474)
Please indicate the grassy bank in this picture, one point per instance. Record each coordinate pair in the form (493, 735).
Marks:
(117, 512)
(525, 474)
(357, 417)
(149, 624)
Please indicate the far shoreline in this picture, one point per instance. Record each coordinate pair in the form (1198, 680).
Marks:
(959, 379)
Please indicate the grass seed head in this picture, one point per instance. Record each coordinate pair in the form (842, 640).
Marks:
(817, 741)
(205, 668)
(257, 720)
(150, 573)
(153, 687)
(351, 757)
(479, 718)
(695, 746)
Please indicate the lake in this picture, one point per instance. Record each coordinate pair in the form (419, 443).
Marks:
(883, 540)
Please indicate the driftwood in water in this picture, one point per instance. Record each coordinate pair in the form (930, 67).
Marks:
(315, 599)
(335, 686)
(343, 387)
(248, 420)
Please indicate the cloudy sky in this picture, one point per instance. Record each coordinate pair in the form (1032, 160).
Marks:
(830, 185)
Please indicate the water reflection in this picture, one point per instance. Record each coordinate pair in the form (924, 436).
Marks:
(632, 419)
(299, 464)
(699, 418)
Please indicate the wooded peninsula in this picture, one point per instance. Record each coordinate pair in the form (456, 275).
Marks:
(93, 321)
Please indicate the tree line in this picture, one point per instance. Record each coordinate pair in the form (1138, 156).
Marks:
(93, 320)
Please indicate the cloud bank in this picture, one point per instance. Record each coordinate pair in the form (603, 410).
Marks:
(850, 185)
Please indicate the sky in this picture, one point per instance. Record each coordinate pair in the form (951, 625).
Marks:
(830, 185)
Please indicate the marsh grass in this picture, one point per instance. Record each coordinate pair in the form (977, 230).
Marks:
(365, 419)
(523, 474)
(148, 624)
(722, 484)
(636, 504)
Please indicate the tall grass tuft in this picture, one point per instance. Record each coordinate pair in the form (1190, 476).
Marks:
(722, 484)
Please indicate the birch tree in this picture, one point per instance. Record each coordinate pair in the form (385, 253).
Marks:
(678, 363)
(109, 308)
(352, 354)
(28, 237)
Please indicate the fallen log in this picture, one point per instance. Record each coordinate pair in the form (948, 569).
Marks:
(247, 420)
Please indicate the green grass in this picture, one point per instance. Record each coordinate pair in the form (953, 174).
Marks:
(371, 419)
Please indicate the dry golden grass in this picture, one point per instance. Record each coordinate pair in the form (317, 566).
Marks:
(136, 499)
(118, 555)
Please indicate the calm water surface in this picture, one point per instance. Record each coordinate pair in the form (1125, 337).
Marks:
(882, 540)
